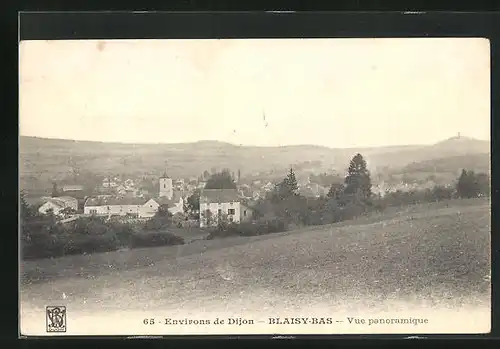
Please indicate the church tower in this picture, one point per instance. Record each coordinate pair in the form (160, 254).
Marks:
(166, 189)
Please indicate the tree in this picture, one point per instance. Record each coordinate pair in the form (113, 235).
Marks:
(291, 182)
(161, 219)
(286, 203)
(358, 182)
(206, 175)
(285, 189)
(336, 191)
(483, 183)
(192, 205)
(439, 193)
(288, 187)
(467, 186)
(26, 212)
(221, 180)
(208, 218)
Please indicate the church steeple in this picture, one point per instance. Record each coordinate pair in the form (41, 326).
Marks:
(166, 187)
(165, 172)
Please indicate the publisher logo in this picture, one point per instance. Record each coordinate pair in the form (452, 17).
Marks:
(56, 319)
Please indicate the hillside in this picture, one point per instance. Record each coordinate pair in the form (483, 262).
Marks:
(451, 164)
(43, 160)
(453, 147)
(430, 258)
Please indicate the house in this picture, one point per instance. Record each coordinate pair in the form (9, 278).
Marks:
(268, 187)
(142, 207)
(306, 191)
(217, 202)
(175, 205)
(318, 190)
(380, 189)
(132, 206)
(247, 212)
(143, 191)
(58, 204)
(121, 190)
(109, 183)
(113, 206)
(256, 195)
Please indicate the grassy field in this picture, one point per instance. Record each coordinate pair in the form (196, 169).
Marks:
(429, 256)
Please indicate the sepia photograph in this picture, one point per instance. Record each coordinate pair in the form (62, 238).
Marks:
(254, 186)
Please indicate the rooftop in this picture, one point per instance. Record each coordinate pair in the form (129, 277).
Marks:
(219, 195)
(166, 201)
(61, 201)
(107, 201)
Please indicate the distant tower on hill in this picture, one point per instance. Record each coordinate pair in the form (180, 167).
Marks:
(458, 135)
(166, 188)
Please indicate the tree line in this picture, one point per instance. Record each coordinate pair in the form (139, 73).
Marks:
(347, 199)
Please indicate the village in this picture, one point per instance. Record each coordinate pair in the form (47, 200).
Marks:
(130, 200)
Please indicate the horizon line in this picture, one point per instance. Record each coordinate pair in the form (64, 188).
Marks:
(252, 146)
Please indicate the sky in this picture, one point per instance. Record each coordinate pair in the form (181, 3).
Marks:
(265, 92)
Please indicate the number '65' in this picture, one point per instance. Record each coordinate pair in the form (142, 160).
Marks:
(149, 321)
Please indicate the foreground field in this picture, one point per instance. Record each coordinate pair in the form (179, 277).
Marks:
(427, 258)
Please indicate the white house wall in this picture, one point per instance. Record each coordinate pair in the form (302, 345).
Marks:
(249, 214)
(150, 208)
(114, 210)
(214, 209)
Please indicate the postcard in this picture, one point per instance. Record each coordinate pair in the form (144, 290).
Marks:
(254, 186)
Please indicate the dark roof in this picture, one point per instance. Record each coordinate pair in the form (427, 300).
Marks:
(219, 195)
(165, 201)
(106, 201)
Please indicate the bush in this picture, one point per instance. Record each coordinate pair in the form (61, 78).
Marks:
(43, 245)
(262, 227)
(154, 238)
(82, 244)
(351, 211)
(42, 237)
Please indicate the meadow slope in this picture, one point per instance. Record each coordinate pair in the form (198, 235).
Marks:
(429, 257)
